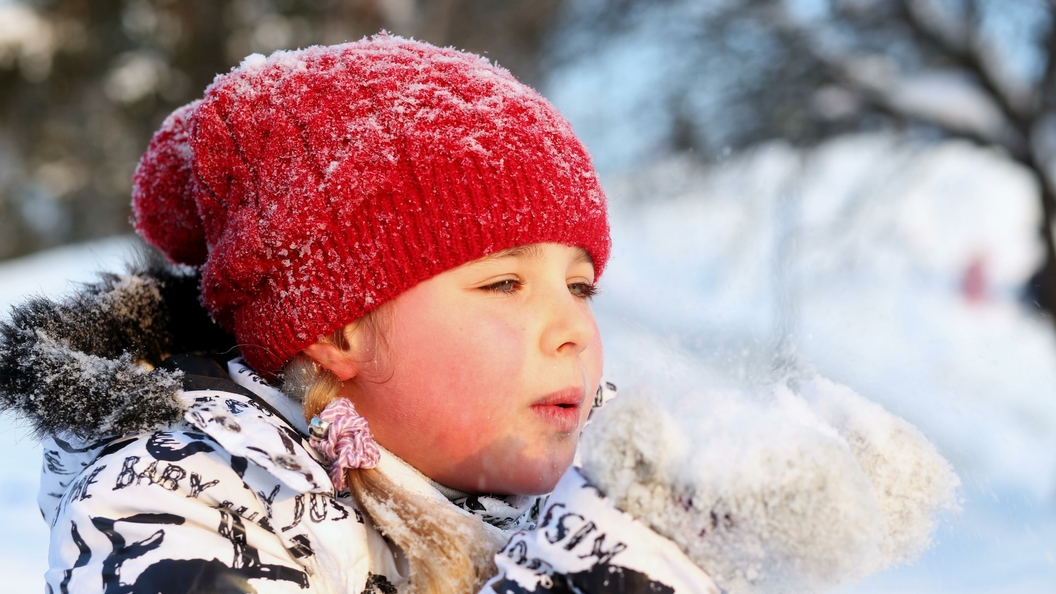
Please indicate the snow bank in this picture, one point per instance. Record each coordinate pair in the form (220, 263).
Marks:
(769, 490)
(59, 271)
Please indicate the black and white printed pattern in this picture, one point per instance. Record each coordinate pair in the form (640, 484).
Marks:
(584, 544)
(232, 499)
(188, 478)
(229, 500)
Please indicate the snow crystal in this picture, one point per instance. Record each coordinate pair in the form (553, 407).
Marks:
(253, 62)
(769, 491)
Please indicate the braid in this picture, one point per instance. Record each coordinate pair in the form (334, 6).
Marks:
(447, 551)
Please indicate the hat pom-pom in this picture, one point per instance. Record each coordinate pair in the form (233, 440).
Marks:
(164, 210)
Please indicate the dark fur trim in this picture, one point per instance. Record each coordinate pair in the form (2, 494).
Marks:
(72, 366)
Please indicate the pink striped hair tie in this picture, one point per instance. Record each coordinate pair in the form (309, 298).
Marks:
(343, 437)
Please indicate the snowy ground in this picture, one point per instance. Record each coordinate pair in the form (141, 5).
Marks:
(891, 268)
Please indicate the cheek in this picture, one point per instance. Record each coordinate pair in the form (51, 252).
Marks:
(454, 383)
(594, 358)
(463, 364)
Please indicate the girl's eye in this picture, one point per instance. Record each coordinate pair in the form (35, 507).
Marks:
(506, 286)
(583, 290)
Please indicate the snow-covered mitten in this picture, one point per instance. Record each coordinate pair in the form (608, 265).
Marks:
(765, 494)
(910, 478)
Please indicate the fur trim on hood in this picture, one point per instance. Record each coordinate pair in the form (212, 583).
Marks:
(85, 365)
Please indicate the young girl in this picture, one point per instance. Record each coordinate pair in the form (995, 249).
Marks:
(402, 241)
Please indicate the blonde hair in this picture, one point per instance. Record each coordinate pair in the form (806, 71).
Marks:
(446, 550)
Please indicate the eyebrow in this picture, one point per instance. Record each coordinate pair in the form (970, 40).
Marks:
(534, 252)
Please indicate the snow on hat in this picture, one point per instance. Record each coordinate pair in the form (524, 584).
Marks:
(314, 185)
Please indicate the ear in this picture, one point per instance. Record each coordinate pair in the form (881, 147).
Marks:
(339, 361)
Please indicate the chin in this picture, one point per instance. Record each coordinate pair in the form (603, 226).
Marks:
(517, 471)
(538, 478)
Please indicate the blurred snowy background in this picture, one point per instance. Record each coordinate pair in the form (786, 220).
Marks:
(863, 188)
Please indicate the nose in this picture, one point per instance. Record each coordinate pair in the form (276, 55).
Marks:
(570, 325)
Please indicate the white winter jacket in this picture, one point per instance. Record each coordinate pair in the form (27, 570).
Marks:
(189, 478)
(234, 499)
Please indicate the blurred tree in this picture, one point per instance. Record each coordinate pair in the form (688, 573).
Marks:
(84, 84)
(739, 72)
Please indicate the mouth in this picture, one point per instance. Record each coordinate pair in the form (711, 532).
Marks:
(562, 408)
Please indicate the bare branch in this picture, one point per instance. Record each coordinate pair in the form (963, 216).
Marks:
(1046, 93)
(880, 102)
(968, 58)
(877, 91)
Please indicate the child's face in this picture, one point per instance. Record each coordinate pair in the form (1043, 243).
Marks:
(492, 371)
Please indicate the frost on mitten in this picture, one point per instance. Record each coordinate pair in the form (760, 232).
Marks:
(765, 494)
(910, 478)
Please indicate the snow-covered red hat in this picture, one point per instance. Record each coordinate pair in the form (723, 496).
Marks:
(314, 185)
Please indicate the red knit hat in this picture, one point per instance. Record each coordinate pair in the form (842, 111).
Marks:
(314, 185)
